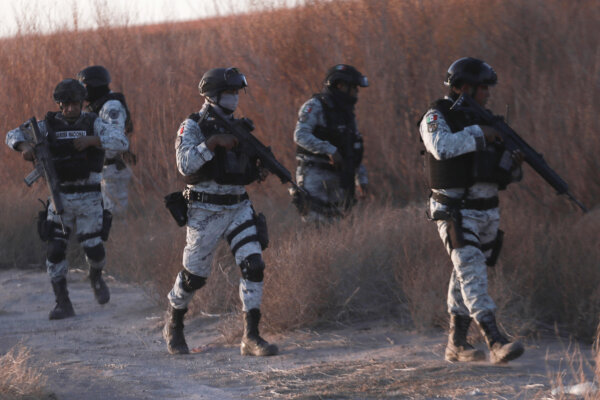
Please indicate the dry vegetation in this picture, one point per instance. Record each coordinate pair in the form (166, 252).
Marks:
(19, 381)
(387, 259)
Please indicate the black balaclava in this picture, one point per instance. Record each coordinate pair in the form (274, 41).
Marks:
(340, 98)
(96, 92)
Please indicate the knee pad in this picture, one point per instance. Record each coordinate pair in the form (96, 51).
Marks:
(252, 268)
(95, 253)
(191, 282)
(56, 251)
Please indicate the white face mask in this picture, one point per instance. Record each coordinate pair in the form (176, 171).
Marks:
(229, 101)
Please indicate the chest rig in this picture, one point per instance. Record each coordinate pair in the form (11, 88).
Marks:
(70, 164)
(227, 167)
(340, 130)
(493, 164)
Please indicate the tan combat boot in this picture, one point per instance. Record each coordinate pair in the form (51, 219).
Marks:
(458, 348)
(252, 344)
(501, 349)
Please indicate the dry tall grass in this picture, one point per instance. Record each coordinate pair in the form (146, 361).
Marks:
(386, 260)
(19, 381)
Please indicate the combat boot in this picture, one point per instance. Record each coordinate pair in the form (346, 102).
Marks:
(101, 291)
(458, 348)
(501, 349)
(173, 331)
(63, 308)
(252, 344)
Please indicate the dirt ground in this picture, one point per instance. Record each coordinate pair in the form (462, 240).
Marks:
(116, 351)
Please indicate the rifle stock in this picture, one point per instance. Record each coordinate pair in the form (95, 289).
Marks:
(512, 141)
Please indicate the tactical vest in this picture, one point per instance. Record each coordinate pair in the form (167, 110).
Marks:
(227, 167)
(97, 105)
(339, 130)
(70, 164)
(488, 165)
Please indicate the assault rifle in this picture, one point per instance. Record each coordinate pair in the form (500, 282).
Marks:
(43, 165)
(241, 130)
(512, 141)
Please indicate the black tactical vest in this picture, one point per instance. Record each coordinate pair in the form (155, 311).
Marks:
(227, 167)
(465, 170)
(70, 164)
(97, 105)
(340, 130)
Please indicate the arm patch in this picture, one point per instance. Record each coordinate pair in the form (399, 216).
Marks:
(432, 122)
(305, 112)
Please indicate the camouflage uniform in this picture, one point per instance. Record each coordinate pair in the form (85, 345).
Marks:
(208, 223)
(82, 210)
(467, 164)
(216, 168)
(467, 293)
(320, 181)
(116, 175)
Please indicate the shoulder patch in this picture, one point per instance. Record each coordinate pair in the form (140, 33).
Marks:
(180, 131)
(432, 118)
(305, 112)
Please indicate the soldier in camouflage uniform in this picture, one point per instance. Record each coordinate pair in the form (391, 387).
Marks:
(77, 144)
(467, 165)
(216, 171)
(111, 107)
(330, 148)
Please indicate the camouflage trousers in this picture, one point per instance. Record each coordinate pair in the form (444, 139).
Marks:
(83, 216)
(206, 225)
(115, 187)
(468, 288)
(324, 185)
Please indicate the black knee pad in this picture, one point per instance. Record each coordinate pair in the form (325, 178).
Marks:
(191, 282)
(56, 250)
(95, 253)
(253, 268)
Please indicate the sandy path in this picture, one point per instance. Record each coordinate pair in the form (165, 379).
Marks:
(116, 352)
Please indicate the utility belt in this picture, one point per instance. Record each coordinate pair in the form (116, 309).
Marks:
(302, 150)
(69, 189)
(218, 199)
(322, 164)
(469, 204)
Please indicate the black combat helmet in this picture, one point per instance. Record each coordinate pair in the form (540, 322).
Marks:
(69, 91)
(472, 71)
(217, 80)
(93, 76)
(345, 73)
